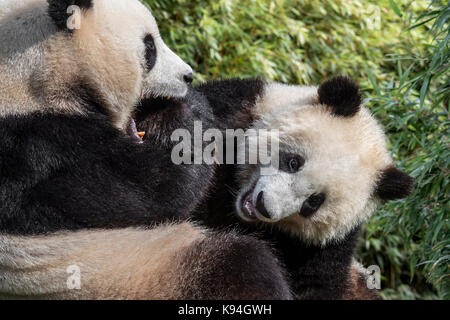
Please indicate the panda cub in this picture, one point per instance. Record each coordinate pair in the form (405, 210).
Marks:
(334, 168)
(79, 190)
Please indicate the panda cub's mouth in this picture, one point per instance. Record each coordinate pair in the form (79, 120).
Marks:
(247, 208)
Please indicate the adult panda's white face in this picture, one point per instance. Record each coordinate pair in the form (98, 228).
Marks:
(127, 29)
(112, 50)
(334, 165)
(121, 38)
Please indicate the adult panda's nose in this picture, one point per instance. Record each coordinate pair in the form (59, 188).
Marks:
(188, 78)
(260, 205)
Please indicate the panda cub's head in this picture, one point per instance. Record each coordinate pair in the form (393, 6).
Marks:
(334, 165)
(58, 54)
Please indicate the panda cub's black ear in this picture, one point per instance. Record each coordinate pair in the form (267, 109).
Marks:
(342, 95)
(394, 184)
(57, 10)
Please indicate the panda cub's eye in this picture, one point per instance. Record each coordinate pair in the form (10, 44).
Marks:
(291, 163)
(150, 51)
(295, 163)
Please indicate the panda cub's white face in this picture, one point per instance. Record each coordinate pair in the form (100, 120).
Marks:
(329, 167)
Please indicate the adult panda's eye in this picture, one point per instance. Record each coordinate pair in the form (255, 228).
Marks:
(150, 51)
(295, 163)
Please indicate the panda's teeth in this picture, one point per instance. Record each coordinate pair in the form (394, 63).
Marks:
(247, 209)
(248, 205)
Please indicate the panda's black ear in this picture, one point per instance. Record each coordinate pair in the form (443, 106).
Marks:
(394, 184)
(57, 10)
(342, 95)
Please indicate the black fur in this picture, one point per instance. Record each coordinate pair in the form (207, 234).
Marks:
(220, 105)
(341, 95)
(232, 100)
(394, 184)
(230, 266)
(312, 204)
(57, 10)
(319, 273)
(72, 172)
(150, 52)
(159, 117)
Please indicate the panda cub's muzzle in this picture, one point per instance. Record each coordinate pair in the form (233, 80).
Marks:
(253, 211)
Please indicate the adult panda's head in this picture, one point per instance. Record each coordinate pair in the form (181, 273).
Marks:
(109, 52)
(334, 165)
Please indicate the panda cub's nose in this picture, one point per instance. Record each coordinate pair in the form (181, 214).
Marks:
(188, 78)
(260, 205)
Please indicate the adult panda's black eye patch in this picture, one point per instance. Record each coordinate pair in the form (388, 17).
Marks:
(150, 52)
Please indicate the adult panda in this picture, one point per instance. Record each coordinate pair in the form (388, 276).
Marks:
(334, 169)
(66, 97)
(68, 166)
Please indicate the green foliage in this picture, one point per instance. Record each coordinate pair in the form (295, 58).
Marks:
(285, 40)
(398, 50)
(413, 105)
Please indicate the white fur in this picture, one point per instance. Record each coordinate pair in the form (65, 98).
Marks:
(113, 264)
(344, 157)
(278, 96)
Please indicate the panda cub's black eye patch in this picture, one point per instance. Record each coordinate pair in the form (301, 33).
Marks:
(150, 52)
(312, 205)
(291, 163)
